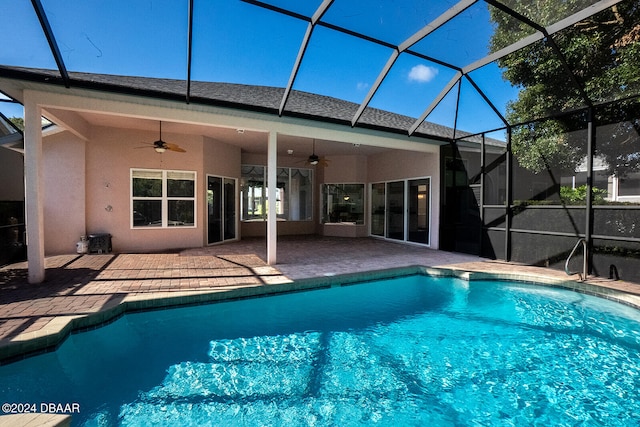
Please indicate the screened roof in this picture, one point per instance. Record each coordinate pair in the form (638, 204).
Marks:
(460, 64)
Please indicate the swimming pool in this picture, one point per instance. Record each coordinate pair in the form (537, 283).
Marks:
(414, 350)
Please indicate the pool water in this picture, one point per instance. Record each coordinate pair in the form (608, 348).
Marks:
(411, 351)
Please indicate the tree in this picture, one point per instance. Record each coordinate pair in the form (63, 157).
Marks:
(18, 122)
(603, 53)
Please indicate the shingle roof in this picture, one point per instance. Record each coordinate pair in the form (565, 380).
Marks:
(248, 97)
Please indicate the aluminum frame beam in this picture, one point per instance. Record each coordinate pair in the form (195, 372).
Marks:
(404, 46)
(456, 78)
(51, 39)
(539, 35)
(322, 9)
(189, 50)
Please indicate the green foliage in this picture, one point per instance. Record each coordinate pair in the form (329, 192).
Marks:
(578, 195)
(545, 146)
(18, 122)
(603, 53)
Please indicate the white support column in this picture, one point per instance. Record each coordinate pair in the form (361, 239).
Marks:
(272, 186)
(34, 189)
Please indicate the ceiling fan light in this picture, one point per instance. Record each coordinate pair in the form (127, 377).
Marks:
(160, 149)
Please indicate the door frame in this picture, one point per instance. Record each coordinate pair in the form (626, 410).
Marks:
(236, 206)
(405, 181)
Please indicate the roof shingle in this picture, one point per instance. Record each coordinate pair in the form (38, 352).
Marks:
(249, 97)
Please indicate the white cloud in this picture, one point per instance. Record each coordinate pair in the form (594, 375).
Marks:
(362, 86)
(422, 74)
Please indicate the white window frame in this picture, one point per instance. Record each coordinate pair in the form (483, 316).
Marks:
(164, 199)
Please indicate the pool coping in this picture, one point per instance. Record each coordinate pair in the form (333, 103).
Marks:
(58, 329)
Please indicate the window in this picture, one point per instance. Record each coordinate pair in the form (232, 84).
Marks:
(293, 193)
(254, 193)
(162, 198)
(629, 185)
(343, 203)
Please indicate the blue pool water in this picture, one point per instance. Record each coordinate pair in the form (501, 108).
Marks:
(409, 351)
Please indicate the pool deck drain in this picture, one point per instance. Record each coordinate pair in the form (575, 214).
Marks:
(86, 291)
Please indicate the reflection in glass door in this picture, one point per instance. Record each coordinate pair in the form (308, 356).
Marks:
(221, 209)
(418, 221)
(378, 209)
(395, 210)
(229, 211)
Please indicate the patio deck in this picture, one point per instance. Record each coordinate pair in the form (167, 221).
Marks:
(82, 291)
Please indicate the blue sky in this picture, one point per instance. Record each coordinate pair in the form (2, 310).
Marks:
(242, 43)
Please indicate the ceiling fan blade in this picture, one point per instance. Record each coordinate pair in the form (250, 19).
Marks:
(174, 147)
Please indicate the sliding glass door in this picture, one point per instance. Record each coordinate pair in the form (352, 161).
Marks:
(221, 209)
(378, 209)
(395, 210)
(419, 211)
(401, 210)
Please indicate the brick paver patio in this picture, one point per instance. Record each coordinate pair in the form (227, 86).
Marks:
(77, 286)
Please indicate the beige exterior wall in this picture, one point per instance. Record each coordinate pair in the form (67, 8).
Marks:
(111, 154)
(222, 160)
(88, 186)
(346, 169)
(64, 176)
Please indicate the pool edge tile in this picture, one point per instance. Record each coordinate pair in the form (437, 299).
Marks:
(59, 328)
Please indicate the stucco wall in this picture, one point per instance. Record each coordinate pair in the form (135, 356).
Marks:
(222, 160)
(346, 169)
(111, 154)
(88, 187)
(64, 192)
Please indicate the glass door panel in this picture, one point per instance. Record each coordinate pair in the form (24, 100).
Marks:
(418, 220)
(377, 209)
(395, 210)
(214, 209)
(221, 209)
(229, 209)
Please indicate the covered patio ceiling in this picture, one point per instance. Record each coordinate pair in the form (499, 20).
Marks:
(250, 141)
(439, 61)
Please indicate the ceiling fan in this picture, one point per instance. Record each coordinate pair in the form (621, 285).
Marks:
(161, 146)
(315, 159)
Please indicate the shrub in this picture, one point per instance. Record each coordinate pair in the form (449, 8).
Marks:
(578, 195)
